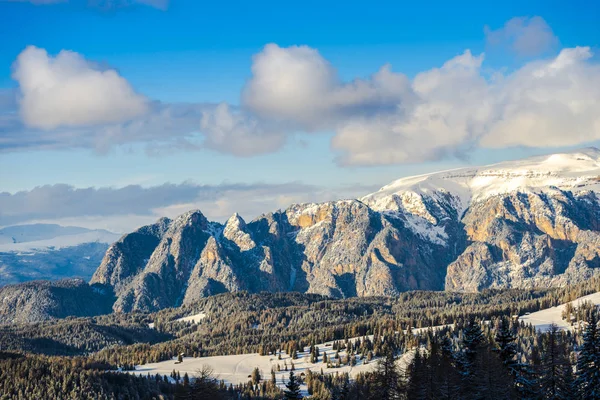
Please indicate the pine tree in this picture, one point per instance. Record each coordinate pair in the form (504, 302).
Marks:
(472, 338)
(293, 388)
(554, 367)
(466, 361)
(507, 349)
(387, 378)
(526, 382)
(256, 376)
(449, 378)
(588, 362)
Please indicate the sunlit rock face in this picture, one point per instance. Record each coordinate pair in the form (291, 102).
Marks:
(523, 223)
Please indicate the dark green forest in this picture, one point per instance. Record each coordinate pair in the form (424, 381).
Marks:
(485, 353)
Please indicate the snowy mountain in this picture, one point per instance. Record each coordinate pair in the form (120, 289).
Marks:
(526, 223)
(45, 236)
(49, 251)
(577, 171)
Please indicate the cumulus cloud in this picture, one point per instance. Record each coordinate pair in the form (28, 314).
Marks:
(443, 111)
(69, 102)
(385, 118)
(238, 133)
(522, 35)
(298, 85)
(542, 104)
(123, 209)
(553, 103)
(68, 90)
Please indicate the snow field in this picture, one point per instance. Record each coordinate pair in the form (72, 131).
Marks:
(543, 319)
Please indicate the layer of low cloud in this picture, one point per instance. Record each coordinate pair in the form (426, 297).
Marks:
(524, 36)
(164, 128)
(124, 209)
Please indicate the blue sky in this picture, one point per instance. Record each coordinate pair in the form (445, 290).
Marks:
(191, 56)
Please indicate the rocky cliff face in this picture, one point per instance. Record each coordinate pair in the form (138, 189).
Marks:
(527, 240)
(517, 224)
(338, 249)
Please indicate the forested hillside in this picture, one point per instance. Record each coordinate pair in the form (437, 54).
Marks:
(482, 351)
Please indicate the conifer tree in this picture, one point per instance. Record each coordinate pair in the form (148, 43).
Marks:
(387, 378)
(526, 382)
(256, 376)
(507, 349)
(588, 362)
(292, 391)
(554, 367)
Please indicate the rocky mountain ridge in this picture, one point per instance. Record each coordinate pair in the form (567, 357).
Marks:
(516, 224)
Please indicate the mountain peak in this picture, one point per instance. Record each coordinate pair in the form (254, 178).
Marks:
(189, 218)
(236, 220)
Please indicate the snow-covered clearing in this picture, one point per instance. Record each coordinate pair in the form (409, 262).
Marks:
(196, 318)
(237, 368)
(542, 319)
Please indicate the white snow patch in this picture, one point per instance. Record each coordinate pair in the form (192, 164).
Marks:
(423, 228)
(196, 318)
(543, 319)
(237, 368)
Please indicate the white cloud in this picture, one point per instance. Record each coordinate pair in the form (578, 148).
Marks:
(552, 103)
(386, 118)
(238, 133)
(68, 90)
(389, 119)
(296, 84)
(522, 35)
(543, 104)
(438, 119)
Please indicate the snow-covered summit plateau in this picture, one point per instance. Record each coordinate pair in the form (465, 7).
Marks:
(577, 170)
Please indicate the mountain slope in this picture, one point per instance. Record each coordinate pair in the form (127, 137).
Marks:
(514, 224)
(50, 236)
(49, 251)
(528, 223)
(337, 249)
(44, 300)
